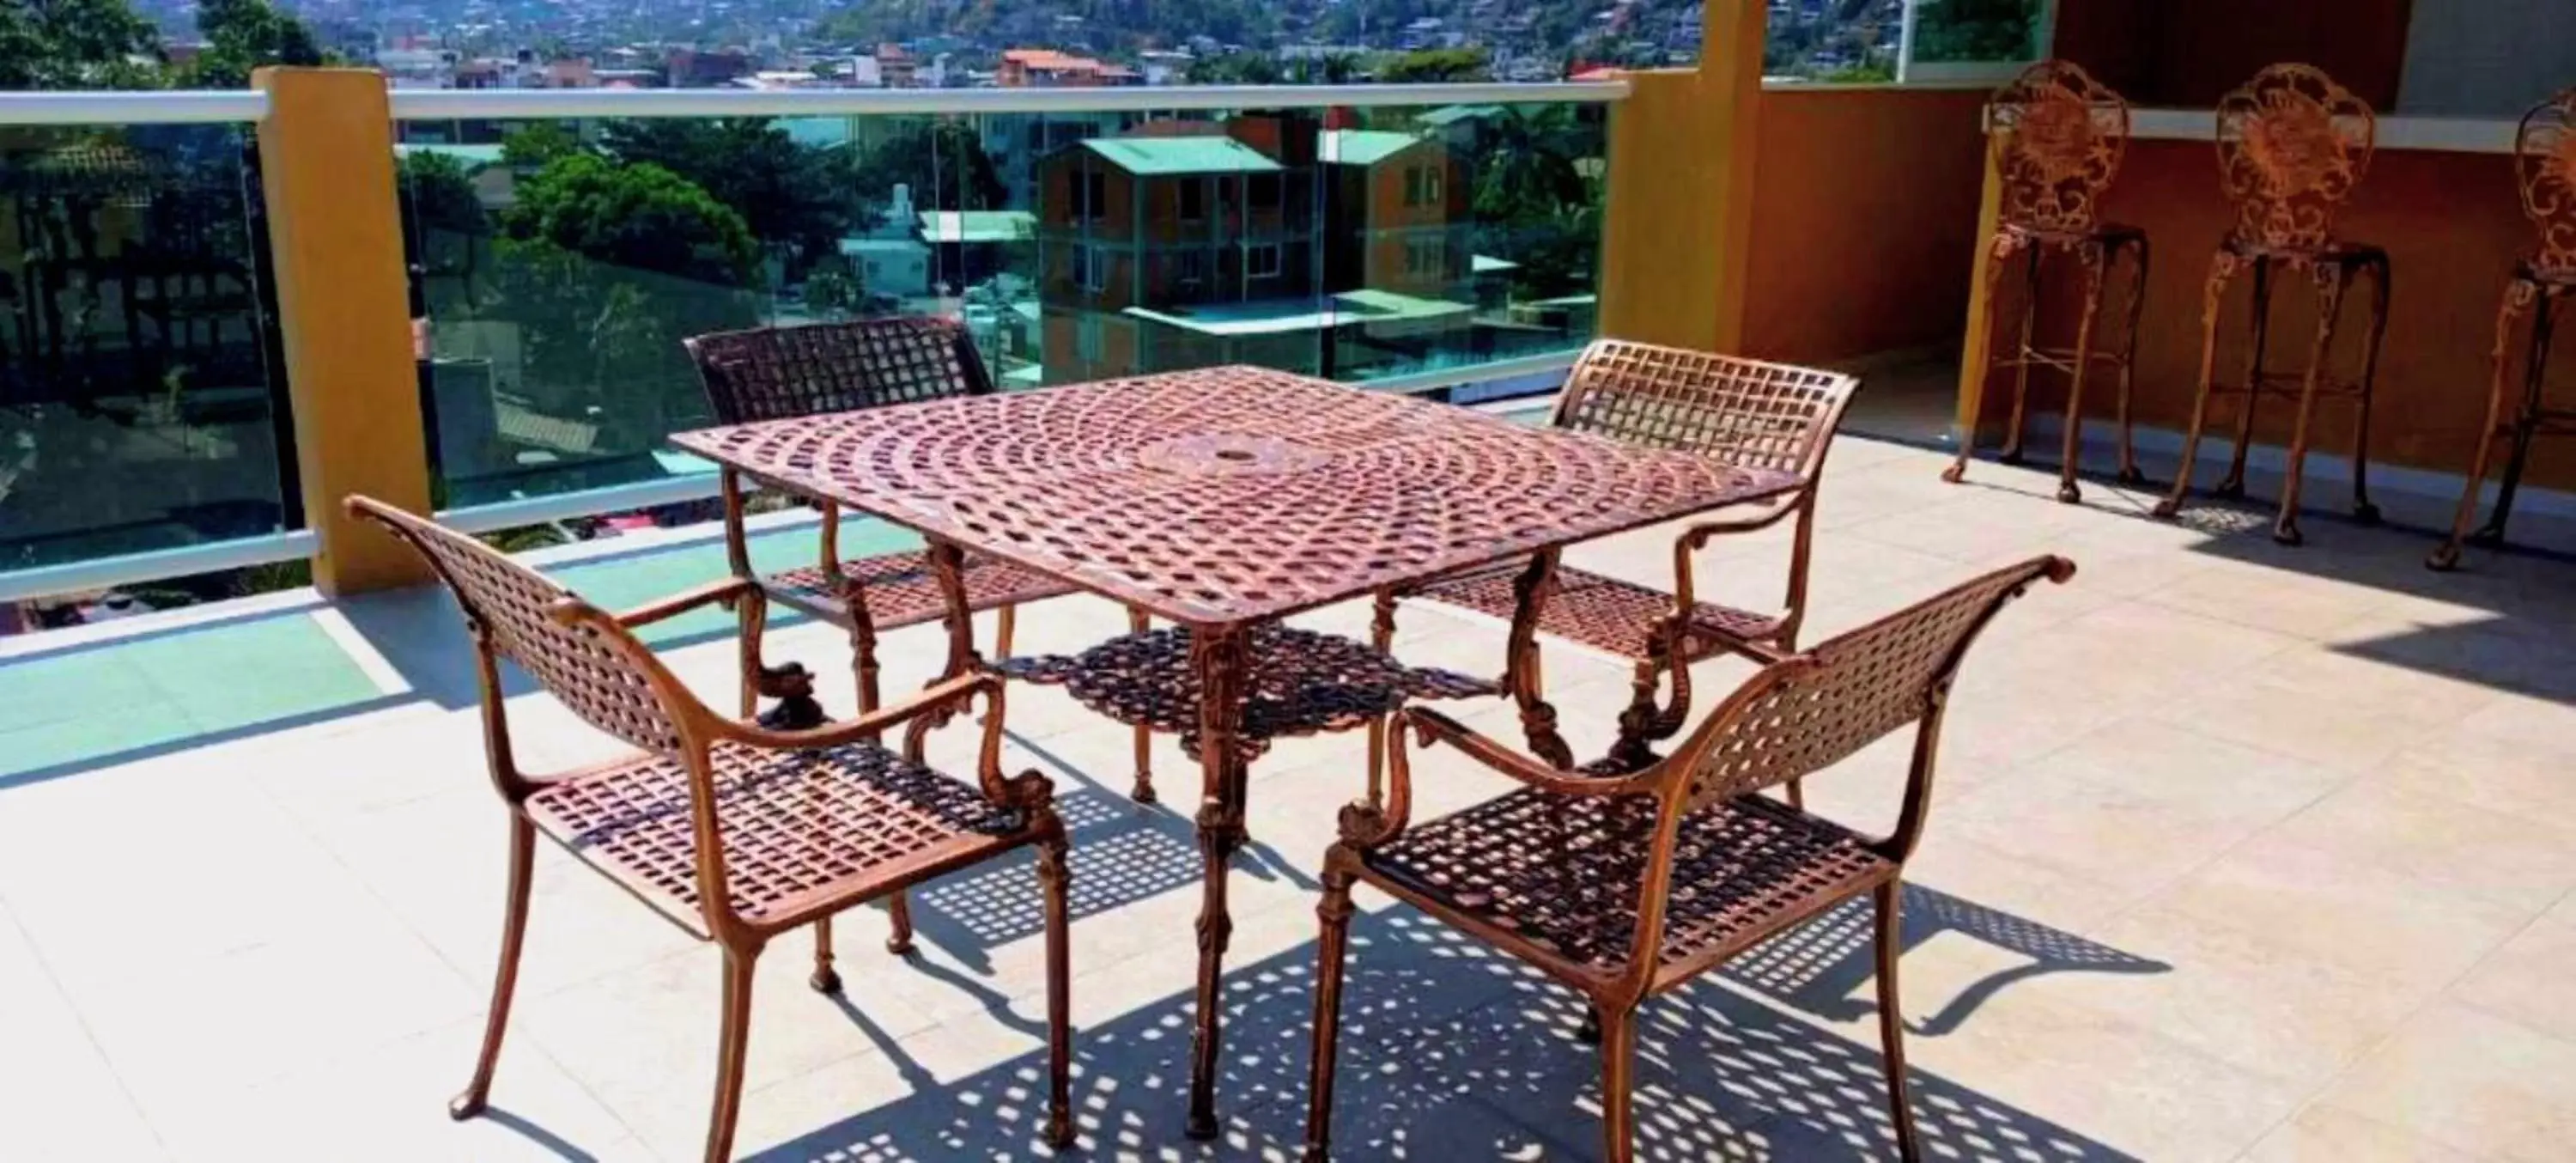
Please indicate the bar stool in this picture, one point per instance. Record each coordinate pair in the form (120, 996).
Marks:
(2545, 157)
(2058, 138)
(2292, 145)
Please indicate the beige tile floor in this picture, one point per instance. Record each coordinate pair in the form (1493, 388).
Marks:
(2239, 852)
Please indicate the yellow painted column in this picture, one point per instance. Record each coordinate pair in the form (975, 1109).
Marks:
(1976, 347)
(327, 167)
(1676, 233)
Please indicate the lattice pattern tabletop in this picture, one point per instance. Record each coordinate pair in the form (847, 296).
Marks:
(1229, 495)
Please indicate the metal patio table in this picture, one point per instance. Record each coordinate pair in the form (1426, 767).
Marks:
(1224, 500)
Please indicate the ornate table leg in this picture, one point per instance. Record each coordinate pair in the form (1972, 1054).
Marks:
(787, 682)
(1521, 676)
(1220, 656)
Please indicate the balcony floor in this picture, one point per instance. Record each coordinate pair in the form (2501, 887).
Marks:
(2239, 852)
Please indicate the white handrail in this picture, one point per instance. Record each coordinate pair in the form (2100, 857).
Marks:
(187, 107)
(508, 104)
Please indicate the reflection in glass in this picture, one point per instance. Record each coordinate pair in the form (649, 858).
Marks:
(140, 403)
(559, 266)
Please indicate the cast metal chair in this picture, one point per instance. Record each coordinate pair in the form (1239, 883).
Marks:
(733, 831)
(2292, 146)
(2545, 159)
(2058, 136)
(1629, 886)
(1742, 412)
(780, 373)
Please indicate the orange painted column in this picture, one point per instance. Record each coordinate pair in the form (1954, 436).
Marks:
(1675, 238)
(327, 168)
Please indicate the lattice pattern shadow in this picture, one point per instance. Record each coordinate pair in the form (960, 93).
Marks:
(1480, 1062)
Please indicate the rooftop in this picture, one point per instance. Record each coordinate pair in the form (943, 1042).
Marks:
(1190, 154)
(2239, 853)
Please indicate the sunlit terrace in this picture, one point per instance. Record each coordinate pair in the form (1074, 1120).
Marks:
(2232, 847)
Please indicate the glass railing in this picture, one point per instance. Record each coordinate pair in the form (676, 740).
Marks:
(141, 403)
(558, 264)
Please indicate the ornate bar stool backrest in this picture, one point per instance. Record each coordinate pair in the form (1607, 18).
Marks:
(2059, 138)
(1802, 715)
(571, 648)
(2292, 144)
(2545, 156)
(1743, 412)
(775, 373)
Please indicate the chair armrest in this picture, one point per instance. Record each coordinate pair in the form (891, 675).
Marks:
(729, 590)
(1696, 536)
(948, 696)
(1433, 727)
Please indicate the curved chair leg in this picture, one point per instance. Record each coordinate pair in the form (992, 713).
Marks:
(2012, 453)
(2232, 486)
(1006, 625)
(505, 978)
(1589, 1033)
(1999, 252)
(1334, 915)
(2380, 289)
(1053, 879)
(899, 911)
(733, 1040)
(2331, 283)
(2213, 296)
(1143, 792)
(2129, 476)
(2096, 260)
(826, 979)
(2517, 302)
(2526, 422)
(1891, 1019)
(1618, 1083)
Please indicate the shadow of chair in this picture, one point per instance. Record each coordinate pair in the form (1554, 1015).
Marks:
(1820, 967)
(1723, 1076)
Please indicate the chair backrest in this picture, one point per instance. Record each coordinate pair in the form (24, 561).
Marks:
(2545, 156)
(1740, 411)
(1805, 714)
(513, 610)
(2059, 136)
(775, 373)
(2292, 145)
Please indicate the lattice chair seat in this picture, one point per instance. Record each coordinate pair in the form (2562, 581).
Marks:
(902, 590)
(800, 828)
(1563, 872)
(1608, 614)
(1301, 683)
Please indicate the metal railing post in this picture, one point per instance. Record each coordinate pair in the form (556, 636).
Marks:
(335, 225)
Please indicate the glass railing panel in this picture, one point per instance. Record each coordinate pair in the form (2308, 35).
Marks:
(557, 267)
(142, 397)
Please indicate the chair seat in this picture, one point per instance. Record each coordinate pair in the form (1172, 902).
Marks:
(902, 590)
(801, 829)
(1612, 615)
(1562, 873)
(1299, 683)
(2333, 253)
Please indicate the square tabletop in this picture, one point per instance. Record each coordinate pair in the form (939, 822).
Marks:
(1229, 495)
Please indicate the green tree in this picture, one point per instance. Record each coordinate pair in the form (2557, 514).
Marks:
(443, 219)
(242, 35)
(1243, 68)
(795, 198)
(530, 146)
(603, 269)
(639, 217)
(76, 44)
(943, 159)
(1436, 66)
